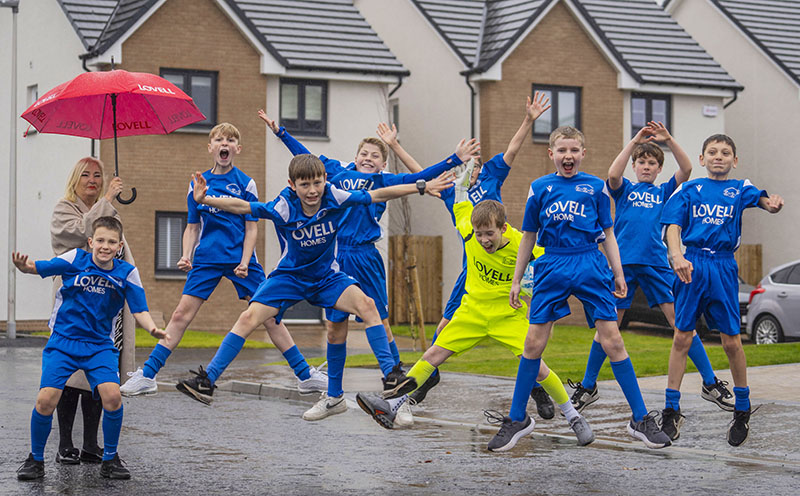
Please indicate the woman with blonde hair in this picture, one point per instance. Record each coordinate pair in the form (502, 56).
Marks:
(86, 199)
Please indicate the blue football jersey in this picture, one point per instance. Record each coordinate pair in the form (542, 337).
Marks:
(488, 186)
(309, 244)
(710, 212)
(568, 212)
(332, 166)
(221, 233)
(90, 297)
(637, 221)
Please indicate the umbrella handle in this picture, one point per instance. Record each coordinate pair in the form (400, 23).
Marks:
(129, 200)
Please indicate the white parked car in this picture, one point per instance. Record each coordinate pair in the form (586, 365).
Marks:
(773, 313)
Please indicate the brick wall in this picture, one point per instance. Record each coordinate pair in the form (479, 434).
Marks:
(556, 52)
(188, 34)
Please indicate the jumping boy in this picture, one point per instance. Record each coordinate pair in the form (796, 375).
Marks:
(306, 216)
(96, 286)
(570, 213)
(491, 247)
(706, 215)
(219, 244)
(637, 227)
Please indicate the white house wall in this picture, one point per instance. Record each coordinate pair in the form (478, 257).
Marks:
(47, 55)
(763, 121)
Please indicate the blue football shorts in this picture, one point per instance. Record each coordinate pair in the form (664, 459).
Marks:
(282, 290)
(364, 264)
(63, 356)
(656, 284)
(713, 292)
(203, 279)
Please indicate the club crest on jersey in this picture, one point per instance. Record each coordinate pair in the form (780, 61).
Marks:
(234, 189)
(585, 188)
(731, 192)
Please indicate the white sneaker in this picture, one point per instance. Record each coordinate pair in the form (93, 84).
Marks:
(138, 384)
(326, 407)
(403, 417)
(316, 383)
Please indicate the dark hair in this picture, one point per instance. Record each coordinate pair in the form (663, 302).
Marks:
(719, 138)
(488, 213)
(650, 149)
(110, 223)
(306, 166)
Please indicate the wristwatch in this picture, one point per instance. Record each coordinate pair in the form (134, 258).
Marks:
(421, 186)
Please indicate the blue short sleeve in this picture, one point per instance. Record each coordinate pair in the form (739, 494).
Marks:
(530, 220)
(56, 266)
(193, 215)
(676, 209)
(604, 209)
(497, 167)
(134, 292)
(751, 194)
(619, 193)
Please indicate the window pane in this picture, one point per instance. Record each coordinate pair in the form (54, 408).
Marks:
(659, 111)
(201, 93)
(782, 275)
(566, 108)
(170, 233)
(544, 124)
(176, 79)
(313, 103)
(794, 276)
(288, 101)
(638, 113)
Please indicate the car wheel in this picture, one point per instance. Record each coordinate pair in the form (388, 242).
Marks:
(767, 330)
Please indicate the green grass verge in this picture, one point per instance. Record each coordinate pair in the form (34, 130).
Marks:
(191, 339)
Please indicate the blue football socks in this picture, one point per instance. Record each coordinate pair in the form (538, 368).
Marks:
(297, 362)
(337, 355)
(597, 356)
(699, 357)
(742, 402)
(376, 335)
(395, 351)
(526, 376)
(626, 378)
(112, 426)
(673, 401)
(40, 430)
(230, 347)
(156, 360)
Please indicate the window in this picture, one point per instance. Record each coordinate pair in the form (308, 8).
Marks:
(395, 114)
(782, 276)
(32, 96)
(304, 106)
(794, 276)
(565, 109)
(646, 108)
(169, 237)
(202, 87)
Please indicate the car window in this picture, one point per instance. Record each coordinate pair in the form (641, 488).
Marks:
(782, 275)
(794, 275)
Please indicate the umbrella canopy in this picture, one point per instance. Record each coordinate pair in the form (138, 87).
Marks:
(145, 104)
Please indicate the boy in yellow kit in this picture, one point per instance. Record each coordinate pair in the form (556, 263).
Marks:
(491, 247)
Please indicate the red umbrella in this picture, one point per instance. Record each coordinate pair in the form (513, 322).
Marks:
(115, 103)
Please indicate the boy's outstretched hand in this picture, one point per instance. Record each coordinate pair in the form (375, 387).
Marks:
(388, 135)
(22, 263)
(539, 105)
(657, 131)
(772, 204)
(468, 149)
(270, 123)
(159, 333)
(444, 181)
(200, 187)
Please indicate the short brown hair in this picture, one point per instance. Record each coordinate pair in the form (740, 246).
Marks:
(650, 149)
(225, 129)
(110, 223)
(719, 138)
(488, 213)
(377, 142)
(306, 166)
(567, 132)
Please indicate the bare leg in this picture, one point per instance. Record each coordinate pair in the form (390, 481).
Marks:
(184, 313)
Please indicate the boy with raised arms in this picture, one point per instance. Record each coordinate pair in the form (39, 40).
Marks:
(95, 287)
(706, 216)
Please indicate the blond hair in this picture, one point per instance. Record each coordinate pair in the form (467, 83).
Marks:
(374, 141)
(566, 132)
(226, 130)
(75, 177)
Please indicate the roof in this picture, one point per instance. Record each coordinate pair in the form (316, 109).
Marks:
(327, 35)
(641, 36)
(774, 26)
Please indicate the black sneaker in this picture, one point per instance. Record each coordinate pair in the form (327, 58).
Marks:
(397, 383)
(378, 408)
(671, 422)
(421, 392)
(740, 427)
(30, 469)
(510, 431)
(718, 394)
(68, 456)
(647, 431)
(114, 469)
(198, 387)
(95, 456)
(582, 397)
(544, 405)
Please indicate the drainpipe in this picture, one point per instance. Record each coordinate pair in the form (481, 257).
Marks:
(735, 96)
(471, 106)
(399, 84)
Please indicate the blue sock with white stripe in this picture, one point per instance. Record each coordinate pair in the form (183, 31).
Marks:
(526, 376)
(376, 335)
(673, 399)
(156, 360)
(230, 347)
(112, 426)
(597, 356)
(699, 357)
(337, 355)
(742, 398)
(40, 431)
(297, 362)
(626, 378)
(395, 351)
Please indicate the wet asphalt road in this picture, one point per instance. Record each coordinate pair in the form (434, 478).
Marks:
(245, 445)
